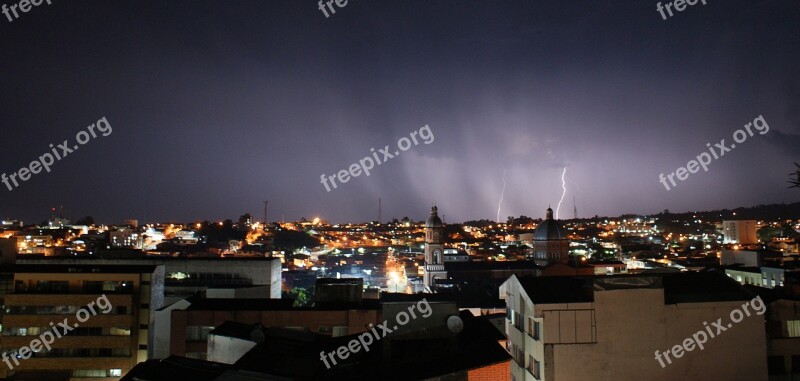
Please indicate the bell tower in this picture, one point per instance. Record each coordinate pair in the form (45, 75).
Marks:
(434, 249)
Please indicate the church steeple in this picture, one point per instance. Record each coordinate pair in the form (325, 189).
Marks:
(434, 249)
(550, 241)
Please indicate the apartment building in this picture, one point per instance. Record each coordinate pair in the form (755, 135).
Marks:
(101, 345)
(609, 328)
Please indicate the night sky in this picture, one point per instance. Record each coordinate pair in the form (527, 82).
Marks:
(218, 106)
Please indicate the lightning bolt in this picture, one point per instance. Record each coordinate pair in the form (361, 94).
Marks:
(564, 193)
(502, 192)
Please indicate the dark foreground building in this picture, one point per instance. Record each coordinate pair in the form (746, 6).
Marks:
(440, 343)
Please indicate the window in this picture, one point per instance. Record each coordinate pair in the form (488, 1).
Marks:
(793, 328)
(52, 286)
(89, 373)
(339, 331)
(519, 356)
(775, 365)
(536, 330)
(65, 310)
(115, 331)
(324, 330)
(537, 370)
(115, 372)
(531, 362)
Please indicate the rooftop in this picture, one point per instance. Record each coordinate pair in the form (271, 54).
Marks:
(223, 304)
(61, 268)
(683, 287)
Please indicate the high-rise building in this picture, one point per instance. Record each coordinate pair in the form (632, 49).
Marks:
(742, 232)
(96, 318)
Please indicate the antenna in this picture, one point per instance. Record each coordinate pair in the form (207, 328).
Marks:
(265, 212)
(576, 207)
(379, 210)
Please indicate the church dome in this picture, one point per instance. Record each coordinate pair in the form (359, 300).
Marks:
(549, 229)
(434, 221)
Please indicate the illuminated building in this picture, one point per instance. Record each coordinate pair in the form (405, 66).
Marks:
(104, 346)
(550, 244)
(434, 250)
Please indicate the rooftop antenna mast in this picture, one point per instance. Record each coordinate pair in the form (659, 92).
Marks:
(576, 207)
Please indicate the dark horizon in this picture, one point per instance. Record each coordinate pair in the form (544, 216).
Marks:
(791, 210)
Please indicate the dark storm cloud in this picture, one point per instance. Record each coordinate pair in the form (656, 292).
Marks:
(218, 106)
(788, 144)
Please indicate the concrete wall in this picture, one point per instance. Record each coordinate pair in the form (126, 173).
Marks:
(743, 257)
(261, 272)
(161, 329)
(227, 350)
(633, 324)
(616, 336)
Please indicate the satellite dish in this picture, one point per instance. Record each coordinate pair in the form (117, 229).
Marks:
(455, 324)
(258, 336)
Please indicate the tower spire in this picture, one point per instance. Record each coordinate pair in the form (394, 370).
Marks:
(575, 210)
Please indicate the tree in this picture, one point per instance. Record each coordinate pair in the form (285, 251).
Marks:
(301, 296)
(245, 219)
(88, 221)
(768, 233)
(796, 181)
(292, 240)
(221, 232)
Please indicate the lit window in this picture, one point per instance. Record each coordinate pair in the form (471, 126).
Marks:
(793, 328)
(115, 372)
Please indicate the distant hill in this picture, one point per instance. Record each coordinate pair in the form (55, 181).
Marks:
(759, 212)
